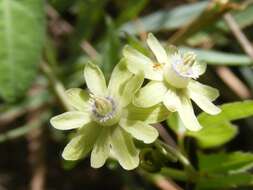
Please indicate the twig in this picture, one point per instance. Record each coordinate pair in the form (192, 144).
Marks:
(164, 135)
(163, 183)
(233, 82)
(212, 13)
(191, 172)
(242, 39)
(36, 147)
(89, 50)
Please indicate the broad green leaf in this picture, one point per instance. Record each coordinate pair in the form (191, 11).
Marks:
(220, 58)
(228, 162)
(217, 129)
(166, 20)
(230, 112)
(225, 181)
(214, 135)
(22, 30)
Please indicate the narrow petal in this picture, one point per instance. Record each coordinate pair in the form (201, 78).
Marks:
(124, 149)
(131, 87)
(78, 98)
(150, 95)
(204, 103)
(82, 143)
(140, 130)
(119, 77)
(70, 120)
(187, 115)
(154, 114)
(95, 80)
(199, 68)
(172, 100)
(157, 48)
(101, 149)
(204, 90)
(137, 62)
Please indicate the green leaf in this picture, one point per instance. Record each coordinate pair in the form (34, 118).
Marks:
(212, 136)
(22, 30)
(225, 181)
(132, 9)
(220, 58)
(217, 129)
(166, 20)
(230, 112)
(111, 48)
(228, 162)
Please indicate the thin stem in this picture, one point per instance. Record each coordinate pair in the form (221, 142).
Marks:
(56, 84)
(181, 158)
(240, 36)
(174, 174)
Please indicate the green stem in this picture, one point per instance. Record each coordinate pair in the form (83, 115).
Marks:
(174, 174)
(56, 84)
(192, 173)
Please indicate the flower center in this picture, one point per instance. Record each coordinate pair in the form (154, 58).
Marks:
(180, 71)
(104, 110)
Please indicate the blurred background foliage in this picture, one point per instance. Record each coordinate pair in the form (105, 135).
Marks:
(44, 47)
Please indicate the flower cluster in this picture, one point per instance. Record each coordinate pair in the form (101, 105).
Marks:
(108, 117)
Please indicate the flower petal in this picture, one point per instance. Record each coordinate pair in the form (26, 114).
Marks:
(95, 80)
(154, 114)
(150, 95)
(70, 120)
(187, 115)
(204, 103)
(199, 68)
(140, 130)
(123, 149)
(172, 100)
(137, 62)
(131, 87)
(119, 77)
(82, 143)
(101, 149)
(78, 98)
(207, 91)
(157, 49)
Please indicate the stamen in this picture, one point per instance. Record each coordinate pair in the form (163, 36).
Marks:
(157, 66)
(189, 58)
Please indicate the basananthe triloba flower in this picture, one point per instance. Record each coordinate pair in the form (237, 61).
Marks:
(105, 120)
(172, 82)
